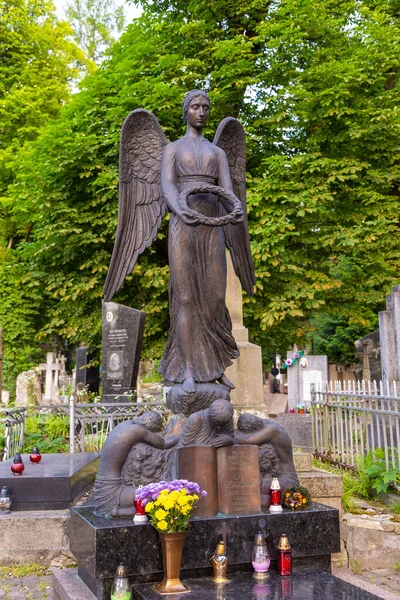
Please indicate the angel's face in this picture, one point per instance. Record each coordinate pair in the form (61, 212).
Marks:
(198, 112)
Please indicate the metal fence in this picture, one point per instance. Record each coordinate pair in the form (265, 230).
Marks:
(89, 424)
(350, 419)
(12, 422)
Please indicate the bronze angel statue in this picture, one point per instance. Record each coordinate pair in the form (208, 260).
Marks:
(203, 186)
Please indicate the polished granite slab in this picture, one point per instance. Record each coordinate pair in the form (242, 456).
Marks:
(53, 484)
(100, 544)
(304, 584)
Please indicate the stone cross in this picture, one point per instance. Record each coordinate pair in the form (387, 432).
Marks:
(224, 531)
(366, 354)
(51, 382)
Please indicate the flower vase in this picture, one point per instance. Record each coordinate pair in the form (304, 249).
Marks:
(300, 411)
(171, 547)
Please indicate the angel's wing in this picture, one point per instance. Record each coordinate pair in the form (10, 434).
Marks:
(141, 207)
(231, 138)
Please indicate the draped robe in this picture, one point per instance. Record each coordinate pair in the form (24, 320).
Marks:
(200, 336)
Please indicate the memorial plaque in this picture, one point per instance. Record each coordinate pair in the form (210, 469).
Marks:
(122, 335)
(199, 464)
(238, 480)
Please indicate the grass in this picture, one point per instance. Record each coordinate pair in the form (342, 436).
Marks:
(23, 571)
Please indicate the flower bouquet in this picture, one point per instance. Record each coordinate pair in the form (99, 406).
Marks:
(168, 505)
(297, 498)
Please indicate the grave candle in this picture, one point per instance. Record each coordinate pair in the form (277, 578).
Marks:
(35, 457)
(17, 466)
(260, 558)
(275, 497)
(120, 589)
(284, 557)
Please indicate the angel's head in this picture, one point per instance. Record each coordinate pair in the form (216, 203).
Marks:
(196, 108)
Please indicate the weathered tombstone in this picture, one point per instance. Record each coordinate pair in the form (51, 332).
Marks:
(368, 351)
(87, 377)
(5, 397)
(122, 343)
(51, 368)
(29, 388)
(389, 333)
(311, 369)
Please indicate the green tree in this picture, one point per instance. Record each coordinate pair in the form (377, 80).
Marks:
(96, 24)
(37, 65)
(315, 85)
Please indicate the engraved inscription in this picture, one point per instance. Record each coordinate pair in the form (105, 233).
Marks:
(239, 479)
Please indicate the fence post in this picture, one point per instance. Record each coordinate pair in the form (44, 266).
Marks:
(7, 445)
(72, 424)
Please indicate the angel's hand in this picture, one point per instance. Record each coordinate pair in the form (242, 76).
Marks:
(189, 218)
(237, 217)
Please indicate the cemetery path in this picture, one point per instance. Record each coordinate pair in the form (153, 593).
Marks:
(384, 583)
(31, 587)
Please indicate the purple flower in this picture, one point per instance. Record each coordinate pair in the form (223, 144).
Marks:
(204, 493)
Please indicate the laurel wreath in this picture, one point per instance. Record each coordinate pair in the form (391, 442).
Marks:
(235, 216)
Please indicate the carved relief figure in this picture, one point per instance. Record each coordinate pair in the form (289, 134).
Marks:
(203, 185)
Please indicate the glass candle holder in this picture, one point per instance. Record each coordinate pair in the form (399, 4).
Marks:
(121, 589)
(284, 557)
(275, 497)
(5, 500)
(35, 457)
(17, 466)
(260, 558)
(140, 515)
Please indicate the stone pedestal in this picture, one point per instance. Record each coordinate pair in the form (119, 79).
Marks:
(53, 484)
(246, 371)
(100, 544)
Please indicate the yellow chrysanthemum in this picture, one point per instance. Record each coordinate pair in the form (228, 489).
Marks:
(184, 491)
(195, 497)
(149, 506)
(158, 502)
(182, 501)
(185, 509)
(160, 514)
(162, 525)
(168, 503)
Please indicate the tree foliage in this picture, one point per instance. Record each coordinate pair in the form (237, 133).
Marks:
(96, 24)
(315, 85)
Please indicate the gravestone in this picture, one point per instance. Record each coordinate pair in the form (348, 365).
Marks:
(122, 335)
(86, 376)
(368, 351)
(51, 368)
(310, 369)
(28, 388)
(5, 397)
(389, 333)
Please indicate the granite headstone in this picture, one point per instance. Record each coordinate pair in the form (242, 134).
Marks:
(86, 376)
(122, 343)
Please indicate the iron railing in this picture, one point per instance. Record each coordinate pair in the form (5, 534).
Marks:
(351, 419)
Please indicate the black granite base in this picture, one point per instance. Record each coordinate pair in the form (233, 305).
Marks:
(100, 544)
(53, 484)
(304, 584)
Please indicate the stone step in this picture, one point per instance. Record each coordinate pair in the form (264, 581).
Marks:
(324, 487)
(33, 536)
(302, 461)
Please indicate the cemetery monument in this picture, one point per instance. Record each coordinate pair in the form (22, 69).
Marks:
(203, 185)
